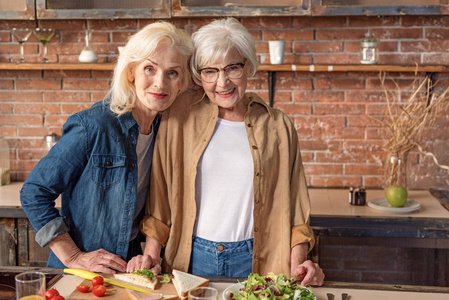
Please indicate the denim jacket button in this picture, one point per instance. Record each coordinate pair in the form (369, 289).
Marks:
(108, 163)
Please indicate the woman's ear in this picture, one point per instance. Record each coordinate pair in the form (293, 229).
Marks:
(130, 72)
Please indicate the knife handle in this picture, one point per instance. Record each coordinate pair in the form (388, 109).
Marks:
(82, 273)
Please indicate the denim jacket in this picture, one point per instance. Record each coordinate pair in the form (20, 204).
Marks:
(94, 168)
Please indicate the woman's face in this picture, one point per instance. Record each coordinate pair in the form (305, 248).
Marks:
(225, 92)
(158, 79)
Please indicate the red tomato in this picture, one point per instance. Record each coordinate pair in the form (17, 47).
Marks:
(49, 294)
(83, 288)
(99, 290)
(58, 297)
(97, 280)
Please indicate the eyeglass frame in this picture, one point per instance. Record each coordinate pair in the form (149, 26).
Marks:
(224, 69)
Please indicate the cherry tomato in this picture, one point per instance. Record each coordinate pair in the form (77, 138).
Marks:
(99, 290)
(58, 297)
(83, 288)
(97, 280)
(49, 294)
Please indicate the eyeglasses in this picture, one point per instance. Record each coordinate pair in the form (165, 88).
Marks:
(233, 71)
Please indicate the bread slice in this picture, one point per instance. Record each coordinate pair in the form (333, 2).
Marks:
(134, 295)
(184, 282)
(137, 279)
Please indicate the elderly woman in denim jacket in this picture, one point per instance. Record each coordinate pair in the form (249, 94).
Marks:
(101, 165)
(230, 197)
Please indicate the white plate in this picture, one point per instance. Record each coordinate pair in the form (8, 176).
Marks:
(235, 288)
(382, 204)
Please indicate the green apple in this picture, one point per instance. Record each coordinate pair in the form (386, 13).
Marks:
(396, 195)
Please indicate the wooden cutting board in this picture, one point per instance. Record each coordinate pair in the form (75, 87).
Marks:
(115, 292)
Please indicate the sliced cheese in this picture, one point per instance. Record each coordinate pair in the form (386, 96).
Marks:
(184, 282)
(137, 279)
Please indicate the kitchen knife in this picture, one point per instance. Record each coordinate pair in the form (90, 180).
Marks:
(89, 275)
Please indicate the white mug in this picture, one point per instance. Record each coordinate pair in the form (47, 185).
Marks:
(276, 52)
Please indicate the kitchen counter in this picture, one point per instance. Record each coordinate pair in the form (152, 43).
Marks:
(325, 203)
(66, 284)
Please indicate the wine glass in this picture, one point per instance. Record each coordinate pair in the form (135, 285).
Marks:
(22, 36)
(44, 35)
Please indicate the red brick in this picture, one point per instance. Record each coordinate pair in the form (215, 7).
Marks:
(335, 181)
(288, 35)
(30, 143)
(7, 131)
(435, 58)
(318, 96)
(30, 154)
(267, 22)
(63, 25)
(338, 34)
(436, 21)
(21, 120)
(33, 108)
(64, 96)
(282, 97)
(437, 33)
(6, 108)
(317, 47)
(74, 108)
(364, 169)
(364, 96)
(373, 181)
(339, 84)
(384, 46)
(376, 133)
(67, 74)
(117, 24)
(338, 109)
(38, 84)
(374, 21)
(294, 109)
(287, 82)
(6, 84)
(98, 96)
(72, 84)
(318, 22)
(55, 120)
(328, 169)
(397, 33)
(33, 131)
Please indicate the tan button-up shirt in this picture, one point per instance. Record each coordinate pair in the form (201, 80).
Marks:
(281, 200)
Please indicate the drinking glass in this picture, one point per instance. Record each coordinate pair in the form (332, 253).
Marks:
(30, 286)
(22, 36)
(203, 293)
(44, 35)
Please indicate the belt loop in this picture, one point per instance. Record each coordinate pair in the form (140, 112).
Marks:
(250, 242)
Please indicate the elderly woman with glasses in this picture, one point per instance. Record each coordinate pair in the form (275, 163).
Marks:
(230, 195)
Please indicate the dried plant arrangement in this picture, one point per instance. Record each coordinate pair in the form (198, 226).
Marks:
(406, 122)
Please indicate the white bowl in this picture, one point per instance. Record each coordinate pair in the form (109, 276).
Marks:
(234, 287)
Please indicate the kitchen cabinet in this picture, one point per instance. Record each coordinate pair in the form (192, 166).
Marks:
(18, 246)
(100, 9)
(156, 9)
(17, 9)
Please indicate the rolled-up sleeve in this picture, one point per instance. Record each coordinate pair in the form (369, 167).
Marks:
(52, 176)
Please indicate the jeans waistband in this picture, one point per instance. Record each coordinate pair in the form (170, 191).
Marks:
(224, 247)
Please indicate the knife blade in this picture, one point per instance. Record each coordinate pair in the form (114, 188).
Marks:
(89, 275)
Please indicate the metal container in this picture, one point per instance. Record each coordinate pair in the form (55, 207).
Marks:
(369, 50)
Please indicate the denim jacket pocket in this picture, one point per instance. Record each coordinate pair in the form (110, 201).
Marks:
(107, 169)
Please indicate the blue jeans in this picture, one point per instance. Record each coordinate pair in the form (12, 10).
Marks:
(229, 259)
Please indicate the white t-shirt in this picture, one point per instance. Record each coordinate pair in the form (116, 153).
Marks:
(224, 186)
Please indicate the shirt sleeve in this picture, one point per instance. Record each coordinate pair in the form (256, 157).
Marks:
(300, 202)
(52, 176)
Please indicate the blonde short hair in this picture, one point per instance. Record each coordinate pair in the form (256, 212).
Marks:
(139, 47)
(214, 41)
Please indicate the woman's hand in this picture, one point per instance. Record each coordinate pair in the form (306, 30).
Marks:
(144, 261)
(309, 273)
(96, 261)
(305, 270)
(99, 261)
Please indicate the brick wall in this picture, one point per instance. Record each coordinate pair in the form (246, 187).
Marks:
(333, 111)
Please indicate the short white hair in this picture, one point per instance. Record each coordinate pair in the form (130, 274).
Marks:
(215, 40)
(139, 47)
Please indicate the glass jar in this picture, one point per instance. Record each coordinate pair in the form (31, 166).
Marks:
(396, 171)
(88, 54)
(5, 164)
(369, 49)
(50, 141)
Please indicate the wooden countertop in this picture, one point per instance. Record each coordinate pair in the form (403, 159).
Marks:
(325, 202)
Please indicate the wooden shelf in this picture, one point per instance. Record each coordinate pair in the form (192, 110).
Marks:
(285, 68)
